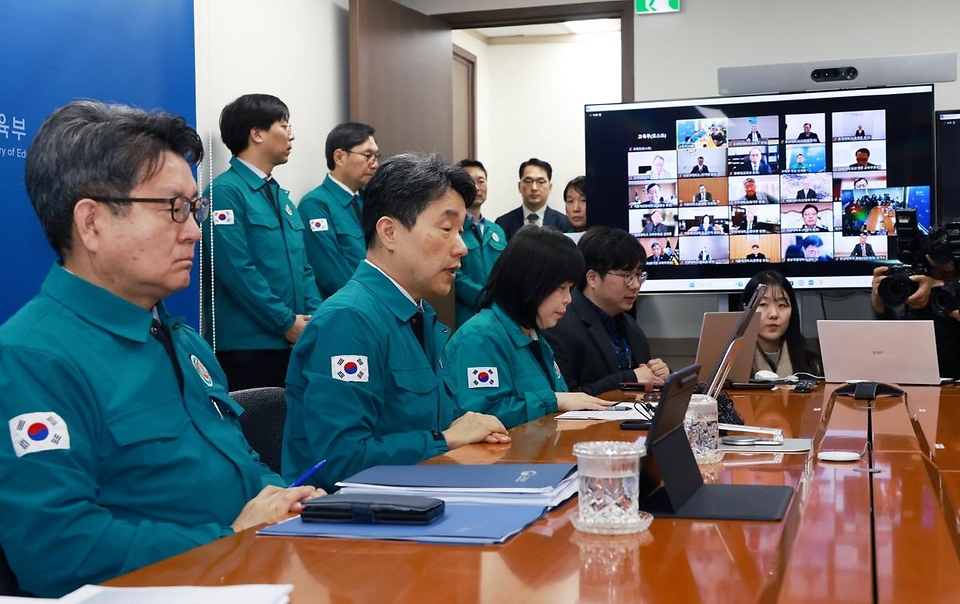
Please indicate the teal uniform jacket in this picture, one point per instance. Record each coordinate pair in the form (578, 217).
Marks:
(334, 237)
(482, 252)
(260, 267)
(360, 390)
(129, 471)
(493, 370)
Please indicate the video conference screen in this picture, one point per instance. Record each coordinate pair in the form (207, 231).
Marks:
(717, 189)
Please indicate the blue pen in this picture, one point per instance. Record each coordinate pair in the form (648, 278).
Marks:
(306, 475)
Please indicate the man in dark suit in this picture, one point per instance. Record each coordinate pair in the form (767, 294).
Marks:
(863, 249)
(655, 226)
(703, 195)
(700, 168)
(806, 135)
(756, 163)
(535, 187)
(755, 253)
(597, 344)
(657, 254)
(806, 192)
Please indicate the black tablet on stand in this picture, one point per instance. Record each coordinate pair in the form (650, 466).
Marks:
(670, 480)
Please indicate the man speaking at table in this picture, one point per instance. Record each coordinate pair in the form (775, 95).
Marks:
(125, 447)
(365, 384)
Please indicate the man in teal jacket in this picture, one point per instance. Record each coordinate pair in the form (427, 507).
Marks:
(365, 385)
(264, 290)
(332, 211)
(125, 447)
(485, 241)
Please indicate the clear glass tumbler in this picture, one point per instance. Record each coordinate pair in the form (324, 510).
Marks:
(701, 426)
(609, 473)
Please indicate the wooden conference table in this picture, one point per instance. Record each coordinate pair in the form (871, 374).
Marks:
(849, 535)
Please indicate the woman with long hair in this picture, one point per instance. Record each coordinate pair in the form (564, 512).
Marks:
(781, 347)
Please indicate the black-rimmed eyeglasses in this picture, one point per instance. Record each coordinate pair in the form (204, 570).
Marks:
(370, 156)
(180, 207)
(631, 278)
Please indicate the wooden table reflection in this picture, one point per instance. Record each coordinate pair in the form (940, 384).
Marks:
(831, 547)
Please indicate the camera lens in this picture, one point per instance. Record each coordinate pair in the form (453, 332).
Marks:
(852, 73)
(895, 289)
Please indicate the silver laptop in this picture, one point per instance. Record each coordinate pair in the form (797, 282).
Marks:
(898, 352)
(715, 337)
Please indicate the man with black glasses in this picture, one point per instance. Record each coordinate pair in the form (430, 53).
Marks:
(597, 343)
(125, 447)
(263, 288)
(332, 211)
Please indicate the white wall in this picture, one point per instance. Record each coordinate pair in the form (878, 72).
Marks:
(677, 54)
(536, 94)
(297, 50)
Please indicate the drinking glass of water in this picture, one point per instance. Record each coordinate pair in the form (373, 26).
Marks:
(701, 426)
(609, 474)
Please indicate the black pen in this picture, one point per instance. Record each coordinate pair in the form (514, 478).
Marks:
(306, 475)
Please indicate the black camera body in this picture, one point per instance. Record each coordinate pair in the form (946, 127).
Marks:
(942, 246)
(897, 286)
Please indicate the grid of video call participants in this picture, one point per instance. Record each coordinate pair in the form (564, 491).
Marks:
(766, 188)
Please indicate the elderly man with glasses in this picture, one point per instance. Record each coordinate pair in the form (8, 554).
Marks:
(125, 447)
(597, 344)
(332, 211)
(263, 289)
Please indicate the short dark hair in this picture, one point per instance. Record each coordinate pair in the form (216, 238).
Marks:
(606, 249)
(863, 150)
(536, 261)
(472, 163)
(89, 149)
(405, 184)
(859, 179)
(345, 136)
(746, 180)
(578, 184)
(793, 337)
(811, 240)
(651, 186)
(810, 205)
(247, 112)
(533, 161)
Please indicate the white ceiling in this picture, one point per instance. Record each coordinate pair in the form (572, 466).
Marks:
(546, 29)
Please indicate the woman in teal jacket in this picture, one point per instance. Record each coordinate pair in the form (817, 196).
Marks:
(498, 361)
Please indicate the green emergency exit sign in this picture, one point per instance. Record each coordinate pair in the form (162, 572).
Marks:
(647, 7)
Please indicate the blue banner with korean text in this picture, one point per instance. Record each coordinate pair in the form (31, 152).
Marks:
(117, 51)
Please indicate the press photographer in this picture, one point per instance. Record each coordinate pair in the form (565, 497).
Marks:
(925, 286)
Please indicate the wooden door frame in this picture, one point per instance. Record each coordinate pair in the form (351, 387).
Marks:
(470, 60)
(614, 9)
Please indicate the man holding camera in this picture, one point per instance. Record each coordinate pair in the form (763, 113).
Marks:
(917, 307)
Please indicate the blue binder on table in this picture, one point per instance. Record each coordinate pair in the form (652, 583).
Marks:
(545, 485)
(462, 524)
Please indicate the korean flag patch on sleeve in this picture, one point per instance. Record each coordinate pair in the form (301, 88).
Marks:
(482, 377)
(34, 432)
(349, 368)
(222, 217)
(319, 224)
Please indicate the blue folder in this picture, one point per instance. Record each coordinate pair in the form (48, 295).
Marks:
(462, 524)
(505, 478)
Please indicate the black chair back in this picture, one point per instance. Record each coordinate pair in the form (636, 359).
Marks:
(265, 411)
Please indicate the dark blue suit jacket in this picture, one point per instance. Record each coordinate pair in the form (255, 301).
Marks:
(513, 220)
